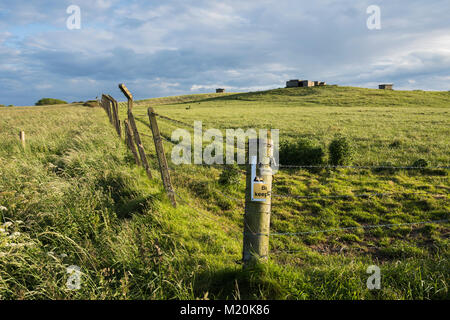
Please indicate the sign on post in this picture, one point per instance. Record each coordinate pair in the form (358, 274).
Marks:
(260, 191)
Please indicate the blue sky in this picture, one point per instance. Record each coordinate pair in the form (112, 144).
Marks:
(161, 48)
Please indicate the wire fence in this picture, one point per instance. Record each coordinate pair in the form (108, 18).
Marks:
(387, 225)
(362, 195)
(373, 167)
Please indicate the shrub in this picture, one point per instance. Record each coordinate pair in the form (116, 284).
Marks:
(396, 143)
(341, 151)
(1, 105)
(301, 152)
(422, 163)
(230, 175)
(91, 103)
(49, 101)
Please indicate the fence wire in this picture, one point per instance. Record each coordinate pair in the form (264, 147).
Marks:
(368, 248)
(362, 167)
(174, 121)
(388, 225)
(362, 195)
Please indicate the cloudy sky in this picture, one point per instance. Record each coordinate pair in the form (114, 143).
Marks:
(172, 47)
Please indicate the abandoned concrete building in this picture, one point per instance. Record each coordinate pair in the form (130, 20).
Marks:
(220, 90)
(386, 86)
(303, 83)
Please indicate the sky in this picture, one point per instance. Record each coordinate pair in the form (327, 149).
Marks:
(173, 47)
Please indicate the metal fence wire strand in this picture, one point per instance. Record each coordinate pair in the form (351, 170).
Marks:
(362, 195)
(174, 121)
(361, 167)
(368, 248)
(388, 225)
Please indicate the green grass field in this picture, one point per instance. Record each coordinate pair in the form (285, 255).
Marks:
(75, 197)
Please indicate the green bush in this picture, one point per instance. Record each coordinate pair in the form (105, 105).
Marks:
(422, 163)
(301, 152)
(230, 175)
(49, 101)
(341, 151)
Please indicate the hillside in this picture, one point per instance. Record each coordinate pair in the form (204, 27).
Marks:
(75, 197)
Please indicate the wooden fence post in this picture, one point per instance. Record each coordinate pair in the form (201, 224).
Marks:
(106, 105)
(140, 147)
(130, 143)
(257, 204)
(127, 94)
(115, 114)
(163, 167)
(132, 125)
(22, 138)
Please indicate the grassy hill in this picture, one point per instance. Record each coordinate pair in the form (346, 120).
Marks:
(75, 197)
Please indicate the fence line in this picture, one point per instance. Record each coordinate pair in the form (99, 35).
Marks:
(281, 166)
(369, 248)
(113, 113)
(388, 225)
(360, 167)
(363, 195)
(175, 121)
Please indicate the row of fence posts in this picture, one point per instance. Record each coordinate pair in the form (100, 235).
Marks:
(133, 139)
(258, 175)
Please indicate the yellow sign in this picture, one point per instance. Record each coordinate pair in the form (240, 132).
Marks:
(261, 191)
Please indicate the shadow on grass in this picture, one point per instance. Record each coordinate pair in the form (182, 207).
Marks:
(126, 201)
(238, 283)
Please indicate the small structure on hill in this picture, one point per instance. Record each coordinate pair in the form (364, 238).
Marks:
(292, 83)
(303, 83)
(386, 86)
(220, 90)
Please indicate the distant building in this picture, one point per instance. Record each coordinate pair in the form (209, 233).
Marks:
(386, 86)
(303, 83)
(292, 83)
(220, 90)
(306, 83)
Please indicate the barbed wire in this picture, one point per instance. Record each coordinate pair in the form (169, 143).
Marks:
(360, 167)
(388, 225)
(362, 195)
(368, 247)
(174, 121)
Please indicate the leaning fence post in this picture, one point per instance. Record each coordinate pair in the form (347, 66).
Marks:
(129, 141)
(115, 113)
(22, 138)
(257, 203)
(106, 104)
(127, 94)
(140, 147)
(164, 168)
